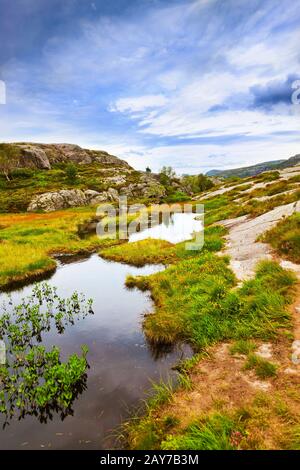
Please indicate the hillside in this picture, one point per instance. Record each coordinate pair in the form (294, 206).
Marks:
(48, 177)
(254, 170)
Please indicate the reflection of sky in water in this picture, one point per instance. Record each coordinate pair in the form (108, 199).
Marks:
(175, 228)
(121, 361)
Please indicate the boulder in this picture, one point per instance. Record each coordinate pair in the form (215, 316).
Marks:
(113, 194)
(34, 157)
(94, 197)
(63, 199)
(117, 180)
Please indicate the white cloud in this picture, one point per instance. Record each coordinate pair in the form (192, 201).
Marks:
(199, 158)
(138, 103)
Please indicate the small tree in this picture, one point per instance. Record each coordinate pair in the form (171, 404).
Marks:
(71, 172)
(148, 170)
(8, 159)
(168, 171)
(204, 183)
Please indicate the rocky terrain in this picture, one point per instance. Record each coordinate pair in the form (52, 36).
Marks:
(44, 156)
(39, 178)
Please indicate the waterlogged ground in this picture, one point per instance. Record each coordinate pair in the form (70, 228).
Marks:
(122, 364)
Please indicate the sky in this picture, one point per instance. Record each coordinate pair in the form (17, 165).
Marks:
(194, 84)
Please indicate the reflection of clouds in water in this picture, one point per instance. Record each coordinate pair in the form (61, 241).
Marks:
(174, 228)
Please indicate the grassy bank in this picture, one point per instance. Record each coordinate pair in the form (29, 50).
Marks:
(195, 302)
(285, 238)
(28, 242)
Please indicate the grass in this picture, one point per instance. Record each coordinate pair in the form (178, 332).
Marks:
(263, 368)
(254, 207)
(28, 242)
(25, 183)
(195, 302)
(242, 346)
(214, 433)
(285, 238)
(155, 251)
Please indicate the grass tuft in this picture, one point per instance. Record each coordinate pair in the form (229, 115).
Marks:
(263, 368)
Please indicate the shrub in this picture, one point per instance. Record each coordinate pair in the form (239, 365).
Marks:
(71, 172)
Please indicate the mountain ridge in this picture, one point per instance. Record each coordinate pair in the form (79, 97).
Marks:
(254, 170)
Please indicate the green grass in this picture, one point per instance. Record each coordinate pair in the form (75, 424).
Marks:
(28, 241)
(242, 346)
(195, 302)
(254, 207)
(215, 433)
(264, 369)
(268, 176)
(285, 238)
(152, 251)
(294, 438)
(25, 183)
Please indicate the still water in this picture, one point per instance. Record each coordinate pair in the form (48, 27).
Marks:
(122, 365)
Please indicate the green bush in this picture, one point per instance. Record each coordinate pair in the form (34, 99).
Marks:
(71, 172)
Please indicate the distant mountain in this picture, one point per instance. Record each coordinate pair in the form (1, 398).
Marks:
(256, 169)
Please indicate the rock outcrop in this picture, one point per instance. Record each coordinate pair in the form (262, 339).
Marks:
(147, 187)
(53, 201)
(242, 245)
(103, 180)
(43, 156)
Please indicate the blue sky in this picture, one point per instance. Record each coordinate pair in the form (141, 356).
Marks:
(196, 84)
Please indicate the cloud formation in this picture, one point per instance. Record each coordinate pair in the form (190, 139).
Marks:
(195, 84)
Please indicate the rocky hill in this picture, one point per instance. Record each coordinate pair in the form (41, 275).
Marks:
(45, 156)
(255, 169)
(47, 177)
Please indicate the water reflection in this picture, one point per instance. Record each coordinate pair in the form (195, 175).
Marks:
(34, 381)
(173, 227)
(122, 365)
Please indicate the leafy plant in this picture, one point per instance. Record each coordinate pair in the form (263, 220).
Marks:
(71, 172)
(35, 381)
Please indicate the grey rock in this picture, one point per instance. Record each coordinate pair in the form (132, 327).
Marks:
(2, 352)
(43, 156)
(91, 194)
(113, 194)
(63, 199)
(101, 197)
(34, 157)
(117, 180)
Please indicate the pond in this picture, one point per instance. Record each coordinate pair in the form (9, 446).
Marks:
(122, 364)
